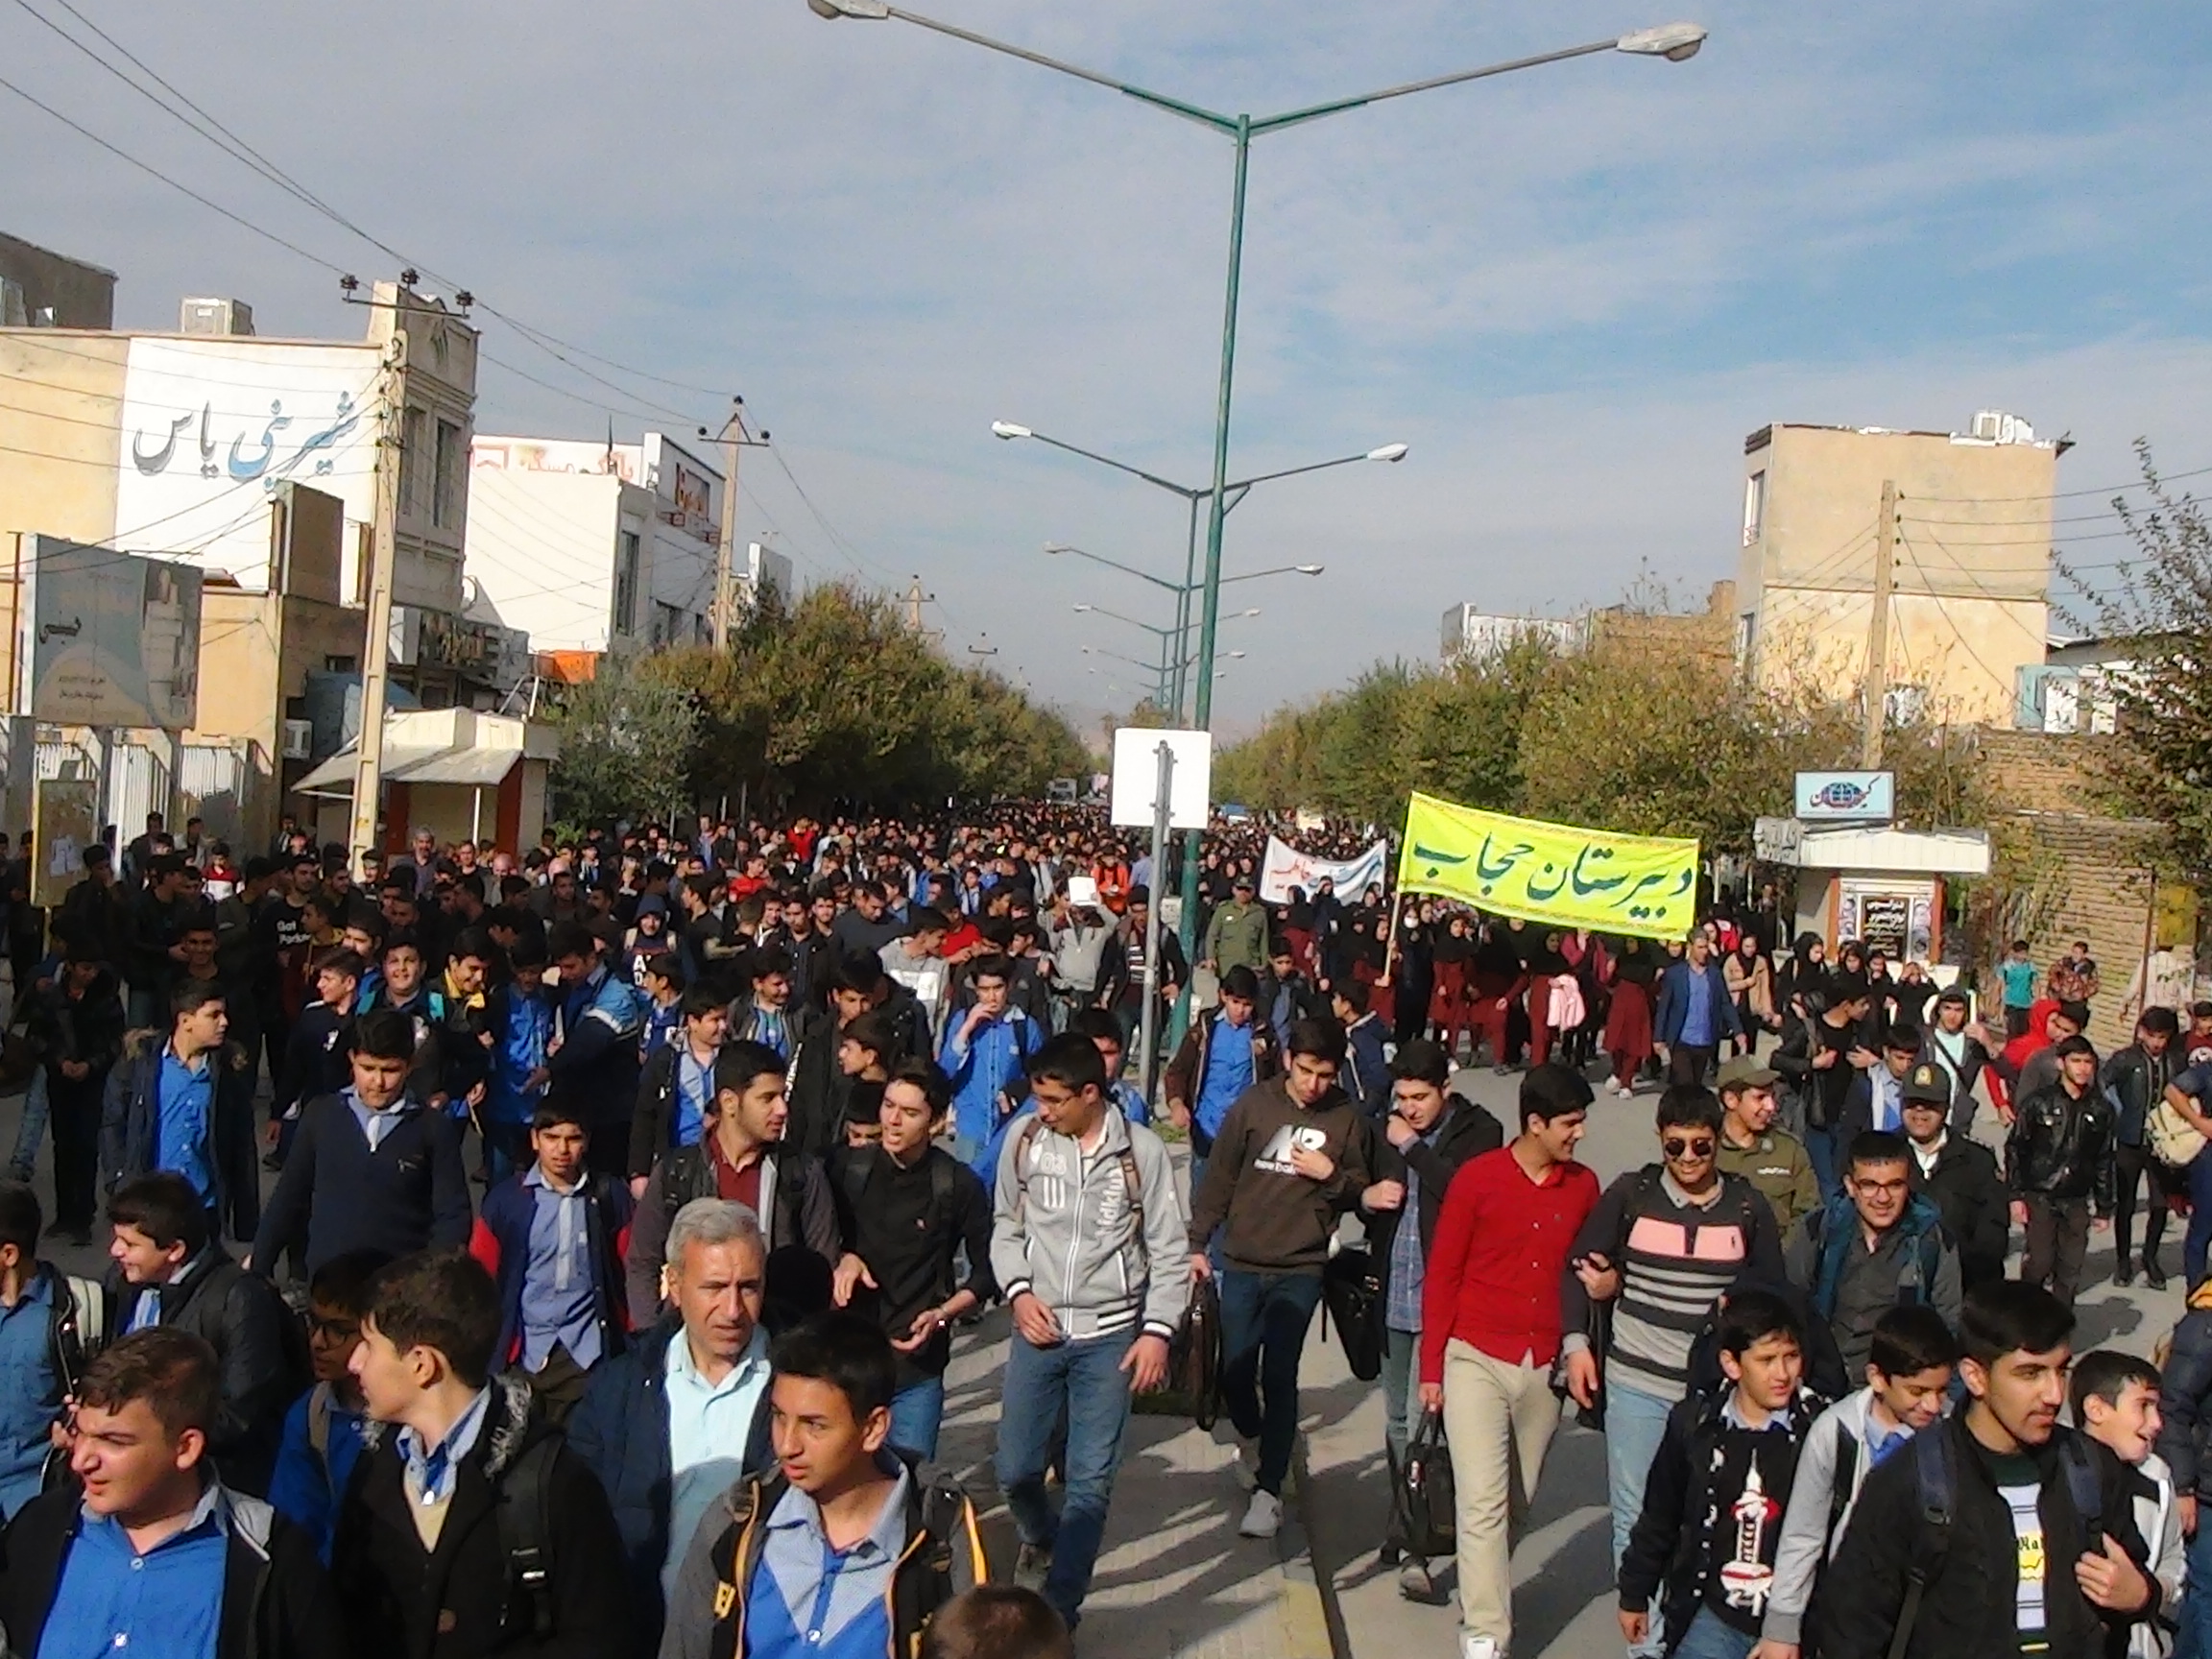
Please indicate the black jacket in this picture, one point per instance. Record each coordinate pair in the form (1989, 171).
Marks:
(1685, 1533)
(1820, 1090)
(1976, 1208)
(1967, 1610)
(2060, 1147)
(260, 1361)
(1469, 1132)
(2185, 1405)
(620, 1430)
(456, 1602)
(2137, 1082)
(278, 1603)
(130, 1118)
(86, 1028)
(800, 1219)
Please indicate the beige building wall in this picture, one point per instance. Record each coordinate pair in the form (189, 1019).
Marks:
(61, 431)
(1970, 570)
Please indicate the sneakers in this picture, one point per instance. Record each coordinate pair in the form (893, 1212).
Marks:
(1473, 1646)
(2123, 1275)
(1247, 1469)
(2153, 1275)
(1263, 1519)
(1031, 1563)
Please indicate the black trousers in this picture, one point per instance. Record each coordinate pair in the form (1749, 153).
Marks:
(1689, 1064)
(75, 1124)
(2130, 1163)
(2057, 1240)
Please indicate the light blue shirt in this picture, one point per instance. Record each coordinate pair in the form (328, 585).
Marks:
(164, 1604)
(1700, 1028)
(431, 1471)
(27, 1364)
(694, 1090)
(1229, 1072)
(376, 1124)
(560, 1298)
(710, 1425)
(833, 1599)
(185, 1107)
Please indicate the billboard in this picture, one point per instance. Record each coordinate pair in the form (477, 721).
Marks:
(1846, 797)
(105, 638)
(689, 491)
(212, 427)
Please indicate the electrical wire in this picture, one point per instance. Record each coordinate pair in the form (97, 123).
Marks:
(2004, 680)
(2071, 494)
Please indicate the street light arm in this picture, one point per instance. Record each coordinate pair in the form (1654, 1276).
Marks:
(1168, 484)
(1113, 564)
(1101, 611)
(1336, 107)
(1159, 100)
(1278, 570)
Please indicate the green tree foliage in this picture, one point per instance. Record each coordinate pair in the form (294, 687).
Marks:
(1620, 736)
(2157, 615)
(625, 735)
(833, 698)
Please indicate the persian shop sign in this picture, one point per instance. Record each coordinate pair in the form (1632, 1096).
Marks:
(1846, 797)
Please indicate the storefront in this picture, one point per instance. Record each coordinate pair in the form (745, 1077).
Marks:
(1881, 886)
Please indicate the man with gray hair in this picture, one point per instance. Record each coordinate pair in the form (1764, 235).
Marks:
(676, 1420)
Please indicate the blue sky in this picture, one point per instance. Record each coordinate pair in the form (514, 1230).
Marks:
(1572, 291)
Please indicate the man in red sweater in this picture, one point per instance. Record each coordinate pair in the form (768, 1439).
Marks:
(1490, 1332)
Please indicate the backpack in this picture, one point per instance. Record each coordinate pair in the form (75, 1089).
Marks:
(525, 1520)
(953, 1561)
(1932, 1471)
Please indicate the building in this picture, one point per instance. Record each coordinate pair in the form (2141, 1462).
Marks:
(455, 771)
(589, 547)
(1473, 633)
(762, 571)
(255, 460)
(1967, 569)
(2071, 690)
(42, 289)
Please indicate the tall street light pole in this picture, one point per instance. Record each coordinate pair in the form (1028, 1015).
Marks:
(1674, 42)
(1195, 497)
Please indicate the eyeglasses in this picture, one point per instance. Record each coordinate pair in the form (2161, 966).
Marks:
(338, 1329)
(1686, 1147)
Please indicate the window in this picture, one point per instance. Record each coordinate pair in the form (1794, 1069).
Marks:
(1754, 506)
(667, 624)
(702, 630)
(446, 498)
(414, 436)
(626, 555)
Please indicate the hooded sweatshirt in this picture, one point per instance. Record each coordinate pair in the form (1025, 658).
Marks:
(1278, 1220)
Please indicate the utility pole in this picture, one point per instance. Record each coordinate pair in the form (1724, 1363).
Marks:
(383, 558)
(733, 438)
(1878, 629)
(914, 600)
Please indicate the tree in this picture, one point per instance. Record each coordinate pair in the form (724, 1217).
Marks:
(2157, 617)
(626, 735)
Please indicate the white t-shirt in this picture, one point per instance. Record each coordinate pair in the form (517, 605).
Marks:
(2033, 1559)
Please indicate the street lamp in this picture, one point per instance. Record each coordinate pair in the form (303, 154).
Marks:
(1009, 430)
(1672, 43)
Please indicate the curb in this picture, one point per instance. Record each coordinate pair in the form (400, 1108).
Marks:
(1311, 1614)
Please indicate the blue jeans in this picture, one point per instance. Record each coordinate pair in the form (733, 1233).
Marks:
(1264, 1317)
(2200, 1234)
(36, 1108)
(1825, 1147)
(917, 1413)
(2195, 1641)
(1635, 1423)
(1401, 1389)
(1083, 1384)
(1711, 1637)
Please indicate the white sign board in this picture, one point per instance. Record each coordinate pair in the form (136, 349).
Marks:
(107, 639)
(1846, 798)
(1285, 867)
(1133, 795)
(210, 429)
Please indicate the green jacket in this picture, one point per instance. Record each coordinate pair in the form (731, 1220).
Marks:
(1238, 933)
(1780, 1168)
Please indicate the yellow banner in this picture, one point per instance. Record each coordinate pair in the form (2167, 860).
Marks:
(1553, 874)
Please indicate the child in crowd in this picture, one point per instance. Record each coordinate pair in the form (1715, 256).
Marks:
(322, 1433)
(1908, 1384)
(1705, 1541)
(2115, 1400)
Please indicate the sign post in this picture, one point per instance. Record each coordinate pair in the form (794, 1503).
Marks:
(1148, 1021)
(1162, 778)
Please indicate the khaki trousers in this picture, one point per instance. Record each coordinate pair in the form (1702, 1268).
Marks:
(1500, 1419)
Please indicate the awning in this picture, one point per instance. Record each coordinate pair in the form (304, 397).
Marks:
(477, 767)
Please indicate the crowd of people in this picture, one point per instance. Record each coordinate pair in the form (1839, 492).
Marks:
(564, 1253)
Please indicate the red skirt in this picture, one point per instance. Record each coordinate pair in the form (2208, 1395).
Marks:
(1628, 1023)
(1447, 997)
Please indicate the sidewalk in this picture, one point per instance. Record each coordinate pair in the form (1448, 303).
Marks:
(1175, 1580)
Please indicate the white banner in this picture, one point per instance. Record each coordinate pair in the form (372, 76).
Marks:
(1286, 868)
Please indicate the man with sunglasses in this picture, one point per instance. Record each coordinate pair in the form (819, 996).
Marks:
(1665, 1242)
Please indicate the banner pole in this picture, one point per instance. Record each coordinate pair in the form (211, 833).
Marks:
(1390, 948)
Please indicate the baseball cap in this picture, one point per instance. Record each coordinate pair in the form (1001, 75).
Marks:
(1242, 878)
(1928, 1084)
(1744, 1073)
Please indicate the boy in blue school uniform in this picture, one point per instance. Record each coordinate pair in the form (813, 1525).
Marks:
(323, 1432)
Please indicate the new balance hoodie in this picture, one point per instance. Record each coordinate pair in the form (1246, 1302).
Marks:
(1278, 1220)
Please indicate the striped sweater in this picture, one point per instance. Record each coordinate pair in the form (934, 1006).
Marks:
(1676, 1257)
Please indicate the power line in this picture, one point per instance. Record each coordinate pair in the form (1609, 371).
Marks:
(2071, 494)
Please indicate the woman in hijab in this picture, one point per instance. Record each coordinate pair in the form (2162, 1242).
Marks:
(1447, 1011)
(1751, 988)
(1629, 1022)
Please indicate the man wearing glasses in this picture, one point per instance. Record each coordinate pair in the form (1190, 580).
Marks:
(1663, 1244)
(1874, 1246)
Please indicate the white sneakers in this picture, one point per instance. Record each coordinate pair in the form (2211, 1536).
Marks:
(1473, 1646)
(1263, 1519)
(1247, 1466)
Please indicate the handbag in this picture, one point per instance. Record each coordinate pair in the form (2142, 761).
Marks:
(2173, 1138)
(1423, 1508)
(1352, 1294)
(1194, 1354)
